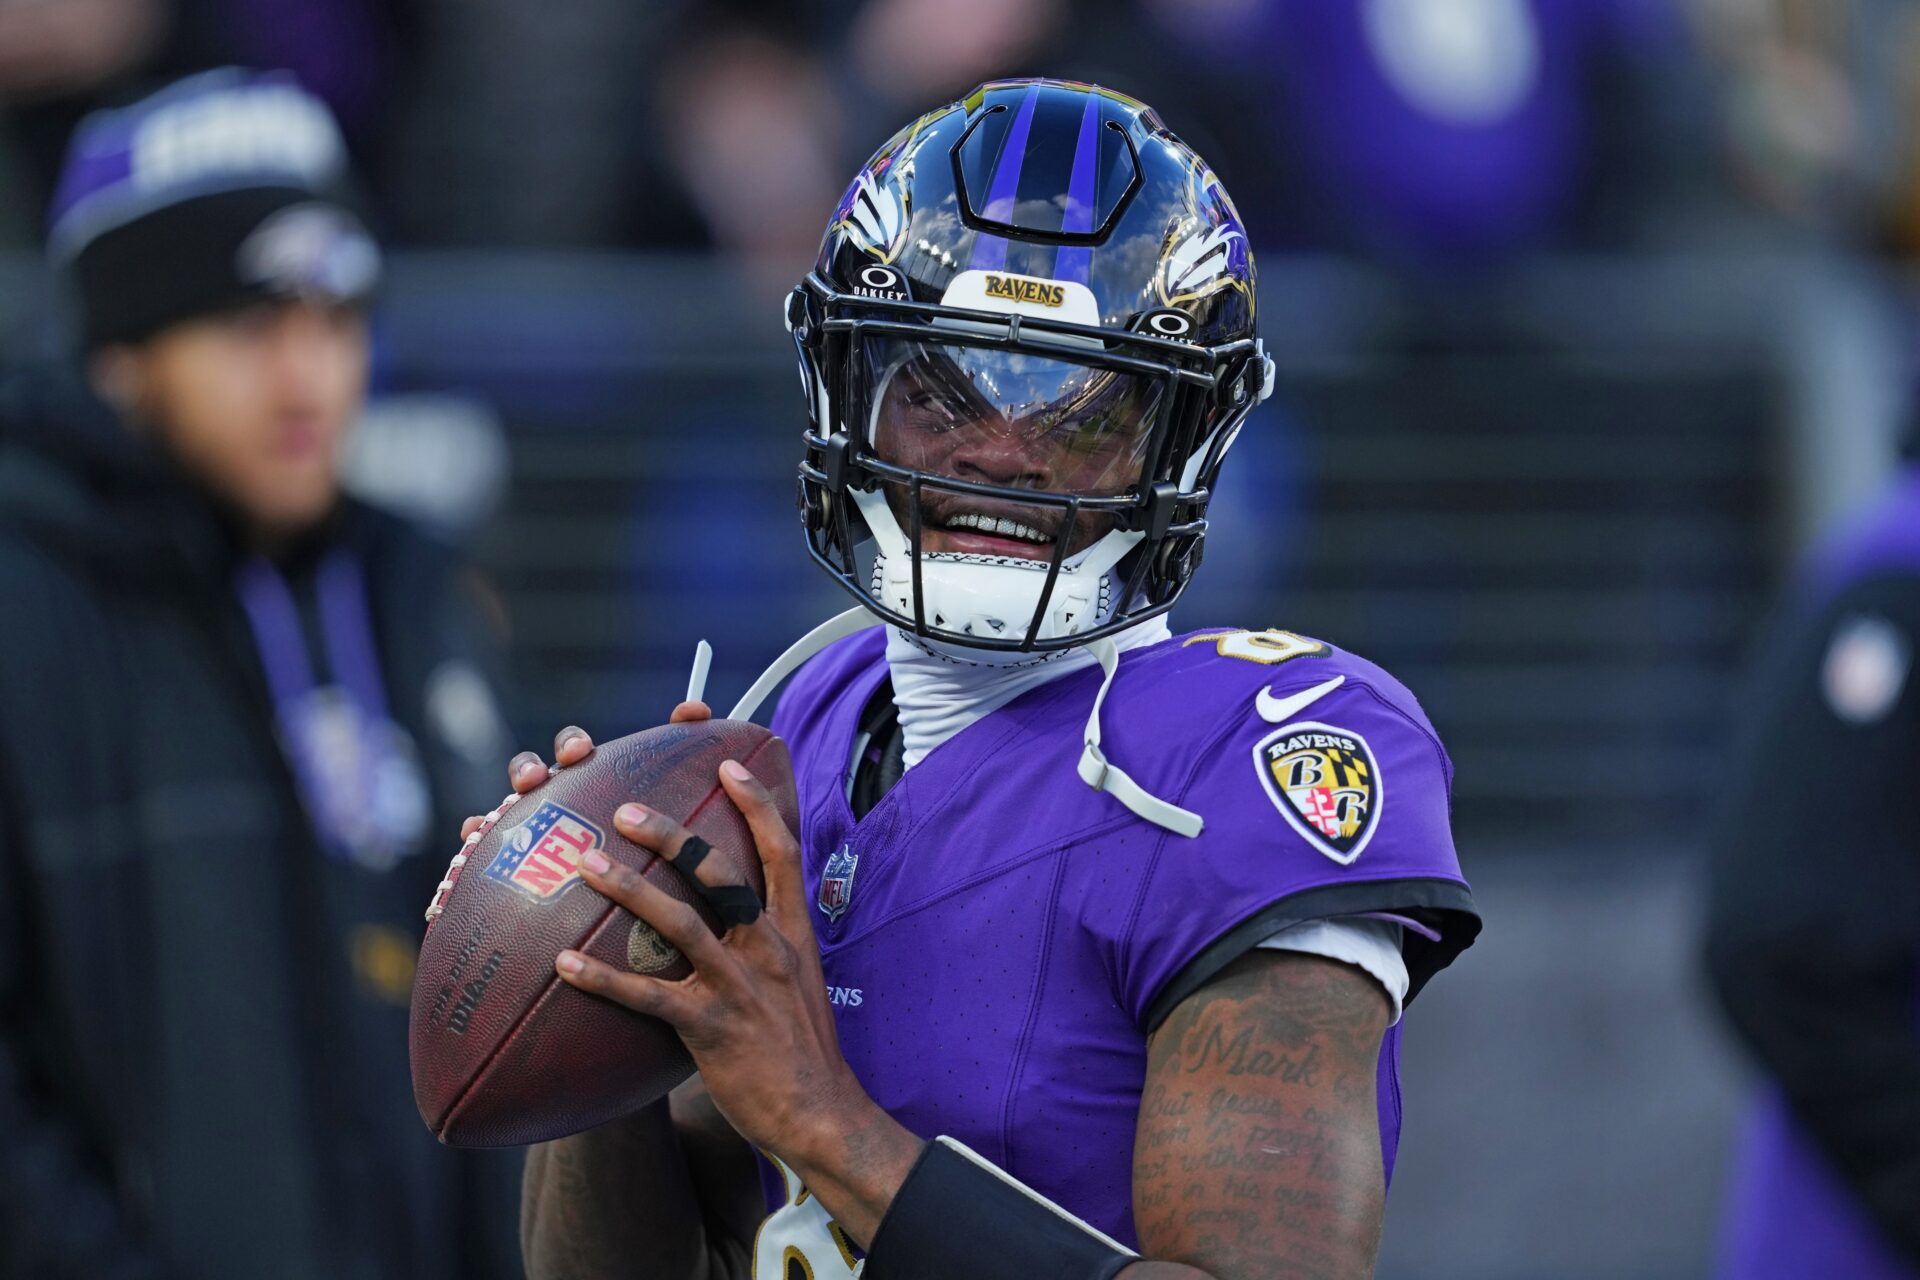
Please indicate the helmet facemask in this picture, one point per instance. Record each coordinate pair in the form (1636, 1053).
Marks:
(1026, 485)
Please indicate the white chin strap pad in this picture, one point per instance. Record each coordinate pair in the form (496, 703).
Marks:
(993, 597)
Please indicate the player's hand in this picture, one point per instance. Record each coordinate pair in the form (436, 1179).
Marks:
(570, 746)
(754, 1013)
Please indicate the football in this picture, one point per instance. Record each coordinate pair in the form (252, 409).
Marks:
(503, 1052)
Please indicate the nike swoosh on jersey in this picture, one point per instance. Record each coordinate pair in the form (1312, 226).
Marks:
(1278, 710)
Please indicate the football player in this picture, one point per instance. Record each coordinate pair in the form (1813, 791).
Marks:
(1813, 921)
(1090, 954)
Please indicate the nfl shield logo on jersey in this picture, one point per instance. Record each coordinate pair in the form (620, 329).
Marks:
(541, 856)
(1325, 782)
(836, 883)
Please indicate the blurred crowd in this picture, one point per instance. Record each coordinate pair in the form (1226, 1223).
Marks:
(1436, 132)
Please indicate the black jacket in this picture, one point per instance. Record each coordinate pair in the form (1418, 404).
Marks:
(202, 1015)
(1813, 929)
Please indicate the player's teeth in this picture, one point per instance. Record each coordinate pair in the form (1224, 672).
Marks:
(1000, 527)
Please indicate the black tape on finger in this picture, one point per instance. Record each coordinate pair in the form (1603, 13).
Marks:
(733, 903)
(691, 855)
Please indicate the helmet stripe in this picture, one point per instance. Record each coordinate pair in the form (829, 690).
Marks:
(1075, 261)
(990, 251)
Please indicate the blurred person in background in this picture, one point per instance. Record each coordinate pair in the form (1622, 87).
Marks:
(230, 719)
(1814, 915)
(527, 125)
(1819, 113)
(1428, 133)
(60, 60)
(762, 107)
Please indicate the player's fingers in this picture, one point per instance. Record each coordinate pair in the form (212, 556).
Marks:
(571, 745)
(651, 996)
(779, 851)
(690, 711)
(731, 899)
(675, 921)
(526, 771)
(651, 829)
(471, 828)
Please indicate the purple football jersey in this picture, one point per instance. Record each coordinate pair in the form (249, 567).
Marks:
(999, 939)
(1788, 1214)
(1885, 538)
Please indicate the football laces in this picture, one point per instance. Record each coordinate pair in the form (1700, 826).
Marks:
(487, 823)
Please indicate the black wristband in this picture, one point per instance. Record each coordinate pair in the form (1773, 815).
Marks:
(957, 1217)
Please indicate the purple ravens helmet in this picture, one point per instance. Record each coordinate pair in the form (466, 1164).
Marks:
(1026, 346)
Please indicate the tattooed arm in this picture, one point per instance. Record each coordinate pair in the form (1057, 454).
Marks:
(665, 1195)
(1257, 1154)
(1258, 1148)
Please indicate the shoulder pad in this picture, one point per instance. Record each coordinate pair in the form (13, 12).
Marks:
(1222, 675)
(1266, 721)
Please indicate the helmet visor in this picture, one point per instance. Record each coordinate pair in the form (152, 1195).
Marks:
(1009, 418)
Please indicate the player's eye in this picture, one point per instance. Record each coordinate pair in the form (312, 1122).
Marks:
(930, 411)
(1085, 434)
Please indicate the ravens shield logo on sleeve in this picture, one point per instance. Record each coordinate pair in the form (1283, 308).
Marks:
(1325, 782)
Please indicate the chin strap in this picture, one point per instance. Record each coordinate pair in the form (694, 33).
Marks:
(835, 628)
(1095, 769)
(1103, 775)
(702, 664)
